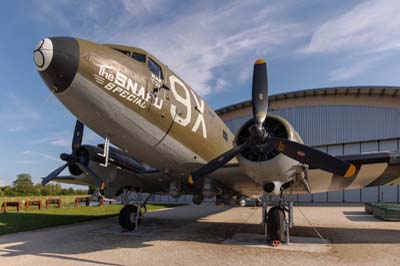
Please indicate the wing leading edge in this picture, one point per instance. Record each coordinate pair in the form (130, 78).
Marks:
(373, 169)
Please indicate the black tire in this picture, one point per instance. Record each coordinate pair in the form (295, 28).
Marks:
(126, 217)
(276, 228)
(197, 199)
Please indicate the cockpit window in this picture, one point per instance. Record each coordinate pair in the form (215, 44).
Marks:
(139, 57)
(123, 52)
(155, 68)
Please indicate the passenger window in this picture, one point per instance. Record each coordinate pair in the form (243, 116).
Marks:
(139, 57)
(155, 68)
(127, 53)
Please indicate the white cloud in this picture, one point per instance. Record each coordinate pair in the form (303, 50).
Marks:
(196, 43)
(220, 84)
(363, 37)
(61, 142)
(356, 68)
(371, 26)
(25, 162)
(41, 154)
(194, 39)
(59, 139)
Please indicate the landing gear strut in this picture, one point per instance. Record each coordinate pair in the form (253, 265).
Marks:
(276, 225)
(131, 214)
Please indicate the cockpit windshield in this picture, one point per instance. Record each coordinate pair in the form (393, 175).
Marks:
(155, 68)
(137, 56)
(127, 53)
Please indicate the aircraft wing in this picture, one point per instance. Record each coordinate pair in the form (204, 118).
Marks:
(232, 176)
(373, 169)
(68, 179)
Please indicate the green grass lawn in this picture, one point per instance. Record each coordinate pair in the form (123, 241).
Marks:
(12, 221)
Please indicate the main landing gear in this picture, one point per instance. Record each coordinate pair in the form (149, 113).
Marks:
(276, 225)
(131, 214)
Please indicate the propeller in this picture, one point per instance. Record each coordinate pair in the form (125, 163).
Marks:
(78, 158)
(259, 138)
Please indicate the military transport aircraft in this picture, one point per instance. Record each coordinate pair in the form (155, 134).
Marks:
(152, 117)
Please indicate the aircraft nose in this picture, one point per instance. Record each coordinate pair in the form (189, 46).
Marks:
(57, 61)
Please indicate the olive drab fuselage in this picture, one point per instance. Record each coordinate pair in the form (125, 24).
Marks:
(164, 100)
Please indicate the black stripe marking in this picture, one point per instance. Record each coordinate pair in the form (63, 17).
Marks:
(390, 174)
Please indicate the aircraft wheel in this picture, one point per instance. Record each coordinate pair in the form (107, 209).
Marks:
(276, 228)
(197, 199)
(127, 216)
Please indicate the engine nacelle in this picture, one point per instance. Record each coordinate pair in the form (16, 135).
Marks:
(273, 188)
(269, 163)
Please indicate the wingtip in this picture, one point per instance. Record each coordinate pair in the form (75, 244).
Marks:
(350, 171)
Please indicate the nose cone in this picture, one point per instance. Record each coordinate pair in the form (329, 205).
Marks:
(57, 61)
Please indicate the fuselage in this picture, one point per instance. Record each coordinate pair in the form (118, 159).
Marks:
(144, 107)
(126, 95)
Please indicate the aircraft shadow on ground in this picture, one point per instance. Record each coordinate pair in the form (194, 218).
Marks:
(361, 216)
(106, 235)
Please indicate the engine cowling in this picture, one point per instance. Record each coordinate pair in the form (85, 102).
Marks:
(268, 164)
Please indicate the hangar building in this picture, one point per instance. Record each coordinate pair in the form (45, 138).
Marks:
(338, 120)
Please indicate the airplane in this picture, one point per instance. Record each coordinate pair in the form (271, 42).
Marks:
(167, 140)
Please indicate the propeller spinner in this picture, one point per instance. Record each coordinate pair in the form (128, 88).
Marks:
(75, 158)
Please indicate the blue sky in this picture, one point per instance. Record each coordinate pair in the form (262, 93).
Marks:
(210, 44)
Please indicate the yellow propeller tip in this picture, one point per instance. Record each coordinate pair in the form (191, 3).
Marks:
(190, 180)
(102, 186)
(260, 61)
(350, 171)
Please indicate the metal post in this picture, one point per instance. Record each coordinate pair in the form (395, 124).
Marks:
(264, 216)
(291, 214)
(287, 233)
(398, 194)
(379, 194)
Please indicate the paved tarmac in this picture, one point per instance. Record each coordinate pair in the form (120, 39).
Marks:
(209, 235)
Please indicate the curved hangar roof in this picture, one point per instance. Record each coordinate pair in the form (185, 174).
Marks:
(328, 116)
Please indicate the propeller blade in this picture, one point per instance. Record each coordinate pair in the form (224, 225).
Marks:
(92, 174)
(78, 135)
(260, 91)
(53, 174)
(313, 157)
(216, 163)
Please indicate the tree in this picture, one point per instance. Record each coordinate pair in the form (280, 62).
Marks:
(71, 191)
(45, 191)
(91, 189)
(24, 185)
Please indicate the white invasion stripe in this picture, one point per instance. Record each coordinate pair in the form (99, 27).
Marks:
(367, 174)
(319, 180)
